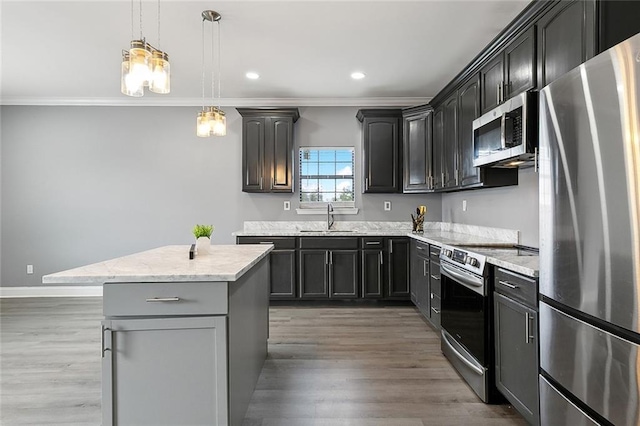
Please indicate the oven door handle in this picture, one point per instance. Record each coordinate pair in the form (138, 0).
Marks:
(470, 281)
(446, 339)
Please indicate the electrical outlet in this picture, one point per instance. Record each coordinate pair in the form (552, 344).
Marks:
(29, 269)
(387, 206)
(464, 205)
(287, 205)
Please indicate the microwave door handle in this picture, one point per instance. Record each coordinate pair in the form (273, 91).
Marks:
(503, 131)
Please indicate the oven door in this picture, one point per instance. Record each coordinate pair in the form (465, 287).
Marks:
(464, 310)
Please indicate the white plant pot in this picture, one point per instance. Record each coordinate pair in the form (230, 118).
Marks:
(203, 246)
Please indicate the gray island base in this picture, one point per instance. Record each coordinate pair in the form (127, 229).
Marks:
(183, 341)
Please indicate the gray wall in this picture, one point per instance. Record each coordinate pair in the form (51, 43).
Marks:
(513, 207)
(85, 184)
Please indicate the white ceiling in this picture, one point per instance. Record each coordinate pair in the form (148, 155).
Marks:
(69, 52)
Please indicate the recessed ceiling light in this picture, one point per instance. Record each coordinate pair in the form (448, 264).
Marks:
(252, 75)
(357, 75)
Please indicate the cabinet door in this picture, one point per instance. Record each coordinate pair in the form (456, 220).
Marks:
(398, 268)
(469, 110)
(517, 355)
(519, 64)
(417, 153)
(279, 153)
(450, 145)
(438, 148)
(566, 39)
(283, 274)
(343, 274)
(151, 366)
(372, 275)
(423, 288)
(492, 80)
(314, 281)
(381, 148)
(253, 157)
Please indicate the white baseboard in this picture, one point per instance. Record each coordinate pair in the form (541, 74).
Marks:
(52, 291)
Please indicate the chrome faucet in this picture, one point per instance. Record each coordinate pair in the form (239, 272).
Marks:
(329, 216)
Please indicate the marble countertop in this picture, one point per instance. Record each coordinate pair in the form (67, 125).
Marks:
(167, 264)
(438, 238)
(509, 259)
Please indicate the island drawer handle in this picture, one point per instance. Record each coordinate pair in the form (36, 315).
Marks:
(164, 299)
(507, 284)
(371, 243)
(435, 277)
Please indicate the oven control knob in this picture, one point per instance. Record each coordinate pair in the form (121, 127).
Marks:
(473, 262)
(448, 253)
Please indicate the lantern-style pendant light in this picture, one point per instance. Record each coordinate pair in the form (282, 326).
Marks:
(211, 121)
(144, 65)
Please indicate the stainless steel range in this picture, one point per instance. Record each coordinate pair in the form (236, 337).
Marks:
(467, 325)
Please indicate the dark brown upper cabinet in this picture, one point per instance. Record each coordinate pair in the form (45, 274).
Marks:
(438, 148)
(468, 110)
(268, 149)
(450, 142)
(381, 150)
(510, 72)
(417, 149)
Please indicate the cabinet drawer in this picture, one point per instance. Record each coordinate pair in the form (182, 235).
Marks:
(434, 278)
(168, 298)
(434, 253)
(422, 249)
(329, 243)
(280, 243)
(516, 286)
(373, 243)
(435, 310)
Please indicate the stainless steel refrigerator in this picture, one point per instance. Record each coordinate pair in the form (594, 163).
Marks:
(590, 242)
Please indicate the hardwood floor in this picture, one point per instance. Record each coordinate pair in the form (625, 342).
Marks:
(368, 366)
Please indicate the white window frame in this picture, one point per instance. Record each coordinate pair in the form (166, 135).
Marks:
(320, 207)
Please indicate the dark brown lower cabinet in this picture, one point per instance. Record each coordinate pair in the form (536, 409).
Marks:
(329, 274)
(398, 268)
(372, 274)
(516, 341)
(282, 264)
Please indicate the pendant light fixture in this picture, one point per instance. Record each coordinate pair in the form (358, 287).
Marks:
(211, 121)
(144, 65)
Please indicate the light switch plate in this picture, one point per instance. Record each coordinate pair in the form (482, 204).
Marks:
(464, 205)
(287, 205)
(387, 206)
(29, 269)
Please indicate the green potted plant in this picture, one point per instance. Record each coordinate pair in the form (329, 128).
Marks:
(203, 238)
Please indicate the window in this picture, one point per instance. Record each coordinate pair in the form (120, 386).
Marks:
(326, 176)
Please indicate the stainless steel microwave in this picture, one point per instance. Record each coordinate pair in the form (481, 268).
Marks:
(507, 135)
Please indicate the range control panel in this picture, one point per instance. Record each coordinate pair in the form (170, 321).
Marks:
(464, 258)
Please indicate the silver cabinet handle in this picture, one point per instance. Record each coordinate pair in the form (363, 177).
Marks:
(371, 243)
(366, 183)
(102, 340)
(457, 178)
(381, 258)
(272, 182)
(330, 258)
(442, 179)
(435, 278)
(266, 242)
(164, 299)
(390, 246)
(419, 248)
(424, 268)
(435, 310)
(498, 93)
(527, 327)
(260, 182)
(508, 284)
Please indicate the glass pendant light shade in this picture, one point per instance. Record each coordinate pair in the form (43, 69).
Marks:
(203, 129)
(126, 82)
(139, 63)
(161, 75)
(218, 122)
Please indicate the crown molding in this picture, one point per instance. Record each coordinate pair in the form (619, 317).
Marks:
(227, 102)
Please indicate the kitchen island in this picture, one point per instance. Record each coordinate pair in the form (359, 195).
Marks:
(183, 340)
